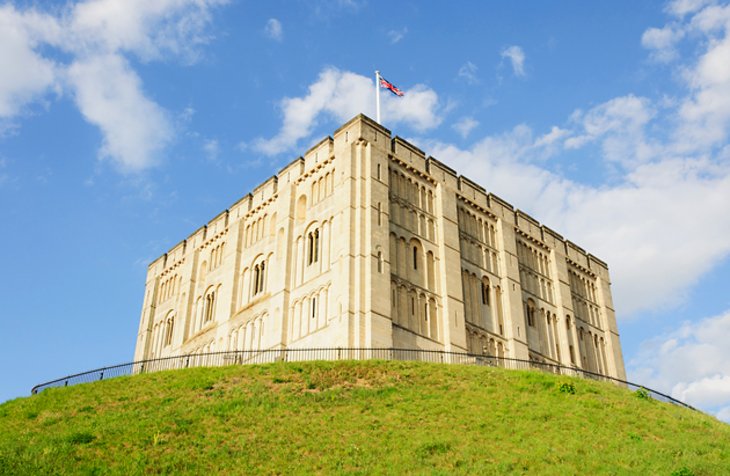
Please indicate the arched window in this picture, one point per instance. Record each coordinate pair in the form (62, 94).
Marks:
(209, 306)
(530, 308)
(169, 329)
(415, 257)
(485, 292)
(312, 246)
(259, 278)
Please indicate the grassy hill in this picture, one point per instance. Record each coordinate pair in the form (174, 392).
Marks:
(355, 417)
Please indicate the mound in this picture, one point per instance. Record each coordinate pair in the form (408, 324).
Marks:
(355, 417)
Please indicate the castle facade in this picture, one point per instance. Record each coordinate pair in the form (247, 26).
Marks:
(366, 242)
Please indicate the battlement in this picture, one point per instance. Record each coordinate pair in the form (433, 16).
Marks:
(414, 159)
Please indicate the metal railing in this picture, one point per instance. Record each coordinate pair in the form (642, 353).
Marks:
(239, 357)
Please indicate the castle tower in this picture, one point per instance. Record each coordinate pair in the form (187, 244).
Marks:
(366, 242)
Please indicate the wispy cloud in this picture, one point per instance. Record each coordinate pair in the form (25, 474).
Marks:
(657, 151)
(662, 42)
(692, 364)
(109, 95)
(341, 95)
(517, 59)
(465, 126)
(396, 35)
(212, 149)
(98, 36)
(274, 30)
(468, 73)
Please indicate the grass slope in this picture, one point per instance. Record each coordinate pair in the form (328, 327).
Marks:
(355, 417)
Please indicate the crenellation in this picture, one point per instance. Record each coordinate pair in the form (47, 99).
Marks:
(365, 242)
(319, 152)
(409, 153)
(576, 254)
(553, 237)
(501, 208)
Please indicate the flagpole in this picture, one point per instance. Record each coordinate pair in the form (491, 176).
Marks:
(377, 96)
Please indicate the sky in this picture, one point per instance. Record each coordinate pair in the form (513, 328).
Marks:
(125, 125)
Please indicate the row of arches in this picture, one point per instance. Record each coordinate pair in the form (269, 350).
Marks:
(258, 229)
(586, 310)
(323, 187)
(417, 222)
(533, 258)
(479, 254)
(216, 255)
(536, 284)
(542, 330)
(479, 342)
(199, 360)
(162, 334)
(593, 351)
(411, 262)
(168, 288)
(249, 335)
(309, 313)
(312, 250)
(582, 286)
(415, 310)
(478, 228)
(254, 279)
(410, 190)
(204, 309)
(482, 302)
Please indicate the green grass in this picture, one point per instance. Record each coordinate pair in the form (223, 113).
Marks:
(355, 417)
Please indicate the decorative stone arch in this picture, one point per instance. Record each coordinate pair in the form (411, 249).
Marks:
(209, 304)
(259, 272)
(312, 243)
(202, 273)
(301, 209)
(417, 261)
(530, 310)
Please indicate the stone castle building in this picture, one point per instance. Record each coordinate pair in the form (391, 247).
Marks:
(366, 242)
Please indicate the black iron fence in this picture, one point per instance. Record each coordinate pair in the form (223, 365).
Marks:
(239, 357)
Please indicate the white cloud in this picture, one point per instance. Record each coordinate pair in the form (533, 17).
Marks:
(98, 34)
(683, 7)
(274, 30)
(212, 149)
(26, 75)
(151, 30)
(468, 72)
(619, 125)
(705, 113)
(342, 95)
(109, 95)
(662, 42)
(659, 216)
(517, 57)
(465, 126)
(396, 35)
(691, 364)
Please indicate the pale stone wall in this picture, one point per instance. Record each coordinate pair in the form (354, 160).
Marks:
(366, 242)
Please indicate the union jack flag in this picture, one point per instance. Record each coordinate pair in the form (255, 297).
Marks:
(384, 83)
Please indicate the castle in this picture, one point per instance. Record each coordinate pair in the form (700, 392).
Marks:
(366, 242)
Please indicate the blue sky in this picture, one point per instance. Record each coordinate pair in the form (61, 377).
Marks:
(125, 125)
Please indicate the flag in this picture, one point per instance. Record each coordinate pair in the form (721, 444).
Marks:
(384, 83)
